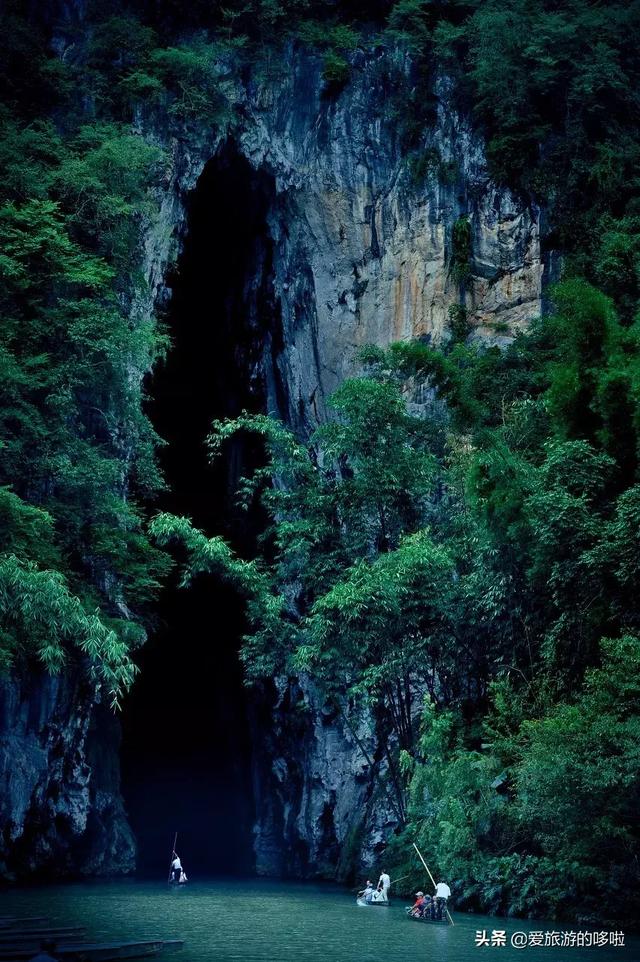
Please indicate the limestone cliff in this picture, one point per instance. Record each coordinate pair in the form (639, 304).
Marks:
(60, 808)
(359, 252)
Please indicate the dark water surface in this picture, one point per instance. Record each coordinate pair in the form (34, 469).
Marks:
(259, 921)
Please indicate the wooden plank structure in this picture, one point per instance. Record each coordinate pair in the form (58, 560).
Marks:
(21, 939)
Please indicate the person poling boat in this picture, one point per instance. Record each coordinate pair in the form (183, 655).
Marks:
(441, 897)
(384, 884)
(177, 875)
(378, 895)
(435, 909)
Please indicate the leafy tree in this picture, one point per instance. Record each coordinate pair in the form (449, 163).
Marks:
(76, 449)
(41, 617)
(480, 556)
(340, 587)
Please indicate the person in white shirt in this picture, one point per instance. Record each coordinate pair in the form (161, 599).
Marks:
(384, 884)
(443, 892)
(367, 892)
(176, 867)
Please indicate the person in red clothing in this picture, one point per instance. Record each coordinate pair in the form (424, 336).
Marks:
(418, 905)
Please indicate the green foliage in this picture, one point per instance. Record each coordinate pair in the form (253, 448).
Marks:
(40, 617)
(336, 41)
(481, 554)
(76, 449)
(554, 88)
(617, 262)
(587, 755)
(459, 322)
(339, 589)
(507, 822)
(336, 70)
(102, 184)
(549, 565)
(191, 74)
(461, 250)
(26, 531)
(410, 21)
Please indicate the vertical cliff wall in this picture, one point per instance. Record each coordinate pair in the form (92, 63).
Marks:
(360, 251)
(61, 813)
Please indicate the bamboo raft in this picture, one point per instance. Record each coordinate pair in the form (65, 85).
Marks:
(425, 918)
(21, 939)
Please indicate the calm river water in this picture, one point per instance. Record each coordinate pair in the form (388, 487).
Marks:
(259, 921)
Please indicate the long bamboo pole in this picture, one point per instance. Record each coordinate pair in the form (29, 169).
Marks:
(173, 852)
(431, 877)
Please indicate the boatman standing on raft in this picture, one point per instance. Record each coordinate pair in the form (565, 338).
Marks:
(176, 867)
(384, 884)
(442, 893)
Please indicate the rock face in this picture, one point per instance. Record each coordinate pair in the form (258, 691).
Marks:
(322, 798)
(60, 808)
(359, 252)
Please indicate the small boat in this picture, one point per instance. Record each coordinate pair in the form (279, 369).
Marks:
(380, 902)
(426, 918)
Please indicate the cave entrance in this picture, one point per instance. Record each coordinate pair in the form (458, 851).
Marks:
(186, 751)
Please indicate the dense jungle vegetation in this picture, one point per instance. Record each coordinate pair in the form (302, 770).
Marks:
(469, 523)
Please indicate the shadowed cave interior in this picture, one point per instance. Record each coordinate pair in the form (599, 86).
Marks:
(186, 748)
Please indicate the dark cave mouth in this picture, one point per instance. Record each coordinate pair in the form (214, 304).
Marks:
(186, 754)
